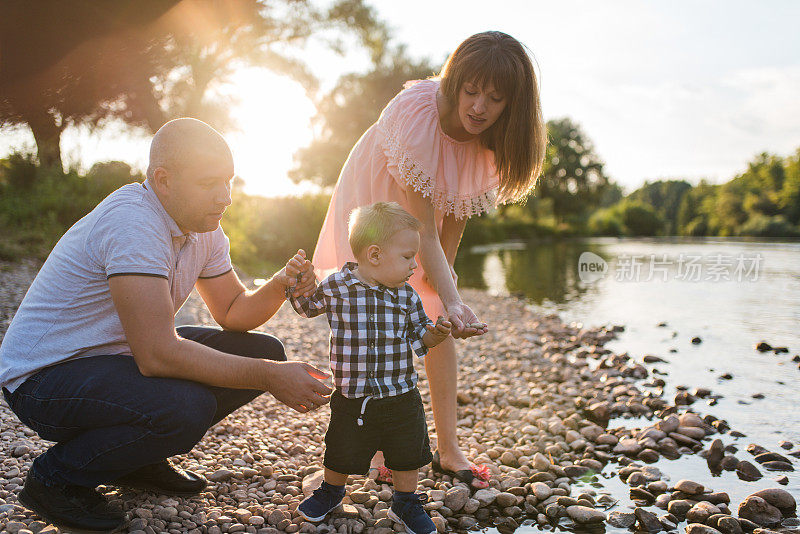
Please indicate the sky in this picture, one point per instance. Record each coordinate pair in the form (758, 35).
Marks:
(664, 89)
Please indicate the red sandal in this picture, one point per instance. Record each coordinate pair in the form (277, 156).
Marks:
(467, 476)
(384, 475)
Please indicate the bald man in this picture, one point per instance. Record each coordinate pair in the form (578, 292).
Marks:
(93, 362)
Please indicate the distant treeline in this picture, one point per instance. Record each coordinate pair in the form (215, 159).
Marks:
(763, 201)
(38, 205)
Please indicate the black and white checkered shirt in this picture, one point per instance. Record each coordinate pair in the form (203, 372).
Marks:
(374, 331)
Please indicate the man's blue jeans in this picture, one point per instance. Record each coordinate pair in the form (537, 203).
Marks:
(108, 420)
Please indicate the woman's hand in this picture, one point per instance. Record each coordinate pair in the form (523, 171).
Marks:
(465, 322)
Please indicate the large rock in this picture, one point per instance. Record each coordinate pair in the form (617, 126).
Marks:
(487, 496)
(778, 466)
(689, 487)
(360, 497)
(692, 431)
(220, 475)
(717, 497)
(621, 519)
(679, 507)
(648, 520)
(584, 514)
(540, 462)
(691, 419)
(780, 499)
(765, 457)
(747, 471)
(541, 490)
(715, 453)
(759, 511)
(576, 471)
(628, 447)
(700, 512)
(599, 412)
(456, 497)
(592, 432)
(505, 499)
(729, 525)
(669, 424)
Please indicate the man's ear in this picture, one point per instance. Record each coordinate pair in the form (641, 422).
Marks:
(374, 254)
(161, 179)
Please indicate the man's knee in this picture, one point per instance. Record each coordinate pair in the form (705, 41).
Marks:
(248, 344)
(187, 414)
(272, 347)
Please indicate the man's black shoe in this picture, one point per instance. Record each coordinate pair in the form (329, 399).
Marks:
(162, 477)
(70, 506)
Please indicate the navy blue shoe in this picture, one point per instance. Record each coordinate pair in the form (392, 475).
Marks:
(407, 509)
(324, 499)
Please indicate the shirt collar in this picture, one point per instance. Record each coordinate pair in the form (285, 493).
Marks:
(351, 279)
(174, 229)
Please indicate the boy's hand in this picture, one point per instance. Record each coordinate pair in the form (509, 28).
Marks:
(439, 331)
(298, 274)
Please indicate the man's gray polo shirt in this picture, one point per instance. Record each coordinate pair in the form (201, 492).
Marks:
(68, 312)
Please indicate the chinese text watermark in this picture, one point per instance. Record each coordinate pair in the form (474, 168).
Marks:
(663, 267)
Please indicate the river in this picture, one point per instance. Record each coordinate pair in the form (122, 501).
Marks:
(731, 294)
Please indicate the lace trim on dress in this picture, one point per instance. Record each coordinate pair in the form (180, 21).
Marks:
(416, 176)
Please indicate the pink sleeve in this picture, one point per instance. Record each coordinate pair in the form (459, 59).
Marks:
(459, 177)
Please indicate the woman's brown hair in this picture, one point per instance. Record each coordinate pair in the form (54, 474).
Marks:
(518, 138)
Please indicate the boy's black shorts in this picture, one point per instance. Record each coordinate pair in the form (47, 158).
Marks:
(395, 425)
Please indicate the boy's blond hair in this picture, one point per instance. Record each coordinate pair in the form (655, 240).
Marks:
(376, 223)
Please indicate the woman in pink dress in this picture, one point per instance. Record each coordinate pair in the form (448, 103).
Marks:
(445, 149)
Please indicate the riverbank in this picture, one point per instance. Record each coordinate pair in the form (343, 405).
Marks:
(559, 420)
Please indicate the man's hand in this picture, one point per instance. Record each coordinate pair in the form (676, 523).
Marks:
(465, 322)
(298, 386)
(298, 274)
(436, 333)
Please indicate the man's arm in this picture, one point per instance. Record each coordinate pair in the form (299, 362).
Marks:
(234, 307)
(146, 311)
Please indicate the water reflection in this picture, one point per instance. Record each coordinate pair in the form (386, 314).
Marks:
(543, 272)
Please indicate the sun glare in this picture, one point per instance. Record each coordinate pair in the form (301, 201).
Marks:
(273, 116)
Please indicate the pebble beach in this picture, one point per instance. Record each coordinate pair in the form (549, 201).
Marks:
(552, 413)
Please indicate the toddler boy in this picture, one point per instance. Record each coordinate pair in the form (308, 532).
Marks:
(377, 322)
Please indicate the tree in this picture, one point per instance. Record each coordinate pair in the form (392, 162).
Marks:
(639, 219)
(789, 197)
(55, 61)
(349, 109)
(573, 178)
(664, 197)
(149, 61)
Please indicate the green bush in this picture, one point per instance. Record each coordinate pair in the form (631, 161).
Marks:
(639, 219)
(759, 225)
(265, 232)
(37, 206)
(606, 222)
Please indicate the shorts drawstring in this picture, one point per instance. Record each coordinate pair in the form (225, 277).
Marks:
(360, 420)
